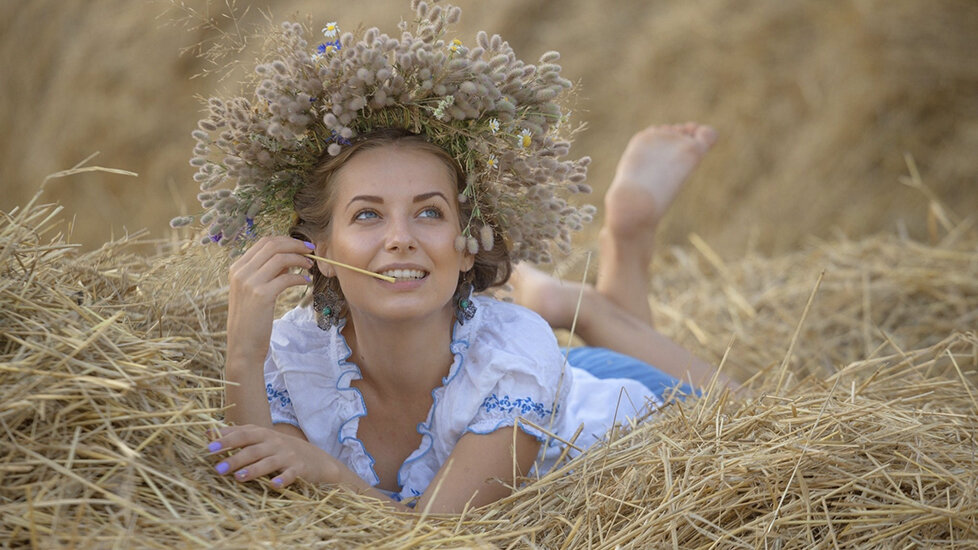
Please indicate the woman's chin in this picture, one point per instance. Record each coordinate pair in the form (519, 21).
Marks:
(408, 310)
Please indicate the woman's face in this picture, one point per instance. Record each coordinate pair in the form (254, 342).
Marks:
(395, 212)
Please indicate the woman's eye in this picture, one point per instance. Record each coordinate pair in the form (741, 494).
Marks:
(430, 212)
(365, 215)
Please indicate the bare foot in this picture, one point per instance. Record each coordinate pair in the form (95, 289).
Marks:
(549, 297)
(653, 167)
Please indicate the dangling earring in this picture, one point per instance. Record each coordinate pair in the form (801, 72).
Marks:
(327, 306)
(464, 308)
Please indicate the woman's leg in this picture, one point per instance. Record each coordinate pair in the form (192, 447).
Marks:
(654, 165)
(615, 313)
(605, 324)
(604, 363)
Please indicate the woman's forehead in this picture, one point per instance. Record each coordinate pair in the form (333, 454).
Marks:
(395, 170)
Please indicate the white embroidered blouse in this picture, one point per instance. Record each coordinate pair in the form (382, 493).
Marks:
(507, 369)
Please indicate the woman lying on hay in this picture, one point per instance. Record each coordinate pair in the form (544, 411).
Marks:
(409, 174)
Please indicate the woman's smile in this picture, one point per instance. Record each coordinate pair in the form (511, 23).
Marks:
(406, 274)
(406, 277)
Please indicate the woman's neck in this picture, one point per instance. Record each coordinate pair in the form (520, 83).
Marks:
(401, 358)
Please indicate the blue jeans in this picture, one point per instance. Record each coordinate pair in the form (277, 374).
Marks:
(603, 363)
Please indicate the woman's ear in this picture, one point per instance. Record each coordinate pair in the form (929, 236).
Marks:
(324, 268)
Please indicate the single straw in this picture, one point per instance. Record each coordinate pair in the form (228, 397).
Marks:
(357, 269)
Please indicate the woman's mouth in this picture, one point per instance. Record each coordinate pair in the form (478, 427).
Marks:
(405, 274)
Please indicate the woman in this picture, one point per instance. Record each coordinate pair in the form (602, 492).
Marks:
(370, 393)
(436, 166)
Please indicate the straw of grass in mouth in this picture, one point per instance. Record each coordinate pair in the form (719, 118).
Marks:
(357, 269)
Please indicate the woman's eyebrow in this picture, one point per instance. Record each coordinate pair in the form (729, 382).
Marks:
(368, 198)
(425, 196)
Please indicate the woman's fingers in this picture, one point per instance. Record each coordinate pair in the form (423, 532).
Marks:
(258, 276)
(258, 468)
(252, 445)
(260, 452)
(234, 437)
(285, 478)
(267, 247)
(278, 265)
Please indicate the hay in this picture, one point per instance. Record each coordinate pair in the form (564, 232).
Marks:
(110, 372)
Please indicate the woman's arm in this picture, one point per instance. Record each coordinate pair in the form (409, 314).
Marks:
(256, 279)
(284, 453)
(479, 471)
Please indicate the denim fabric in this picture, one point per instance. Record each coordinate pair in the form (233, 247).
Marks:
(604, 363)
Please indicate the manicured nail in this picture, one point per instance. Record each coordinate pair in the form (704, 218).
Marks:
(222, 468)
(308, 278)
(241, 474)
(309, 245)
(277, 482)
(214, 446)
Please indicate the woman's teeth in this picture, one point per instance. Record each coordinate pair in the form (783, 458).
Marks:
(405, 273)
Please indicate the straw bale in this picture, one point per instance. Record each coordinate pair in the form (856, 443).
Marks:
(863, 437)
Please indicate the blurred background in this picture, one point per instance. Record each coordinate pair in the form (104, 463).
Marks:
(818, 104)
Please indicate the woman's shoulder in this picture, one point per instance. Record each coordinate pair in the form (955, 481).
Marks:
(512, 338)
(510, 319)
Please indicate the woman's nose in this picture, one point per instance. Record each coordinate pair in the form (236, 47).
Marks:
(400, 237)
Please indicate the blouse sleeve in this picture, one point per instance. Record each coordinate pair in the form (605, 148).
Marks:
(525, 379)
(279, 403)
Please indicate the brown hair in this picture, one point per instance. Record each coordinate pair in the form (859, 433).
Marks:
(314, 205)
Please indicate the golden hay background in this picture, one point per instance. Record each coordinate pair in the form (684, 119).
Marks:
(817, 102)
(860, 427)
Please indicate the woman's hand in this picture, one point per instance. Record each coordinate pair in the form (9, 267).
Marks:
(256, 280)
(265, 451)
(479, 470)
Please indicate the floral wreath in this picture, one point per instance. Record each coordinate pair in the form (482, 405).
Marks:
(499, 117)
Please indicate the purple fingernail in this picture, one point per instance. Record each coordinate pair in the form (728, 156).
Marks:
(214, 446)
(277, 482)
(222, 468)
(309, 245)
(241, 474)
(308, 278)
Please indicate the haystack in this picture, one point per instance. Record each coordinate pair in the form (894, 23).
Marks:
(857, 430)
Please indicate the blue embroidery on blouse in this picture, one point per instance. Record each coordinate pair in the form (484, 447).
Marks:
(507, 405)
(282, 396)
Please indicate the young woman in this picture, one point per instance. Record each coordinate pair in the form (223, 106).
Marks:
(413, 390)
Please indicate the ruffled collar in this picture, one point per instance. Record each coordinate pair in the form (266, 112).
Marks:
(411, 481)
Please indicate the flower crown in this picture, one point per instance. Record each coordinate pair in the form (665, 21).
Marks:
(496, 115)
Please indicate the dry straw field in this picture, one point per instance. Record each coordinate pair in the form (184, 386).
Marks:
(826, 252)
(858, 429)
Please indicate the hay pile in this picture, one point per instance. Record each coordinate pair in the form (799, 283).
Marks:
(864, 436)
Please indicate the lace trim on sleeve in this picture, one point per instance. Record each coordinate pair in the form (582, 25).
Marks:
(499, 412)
(280, 406)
